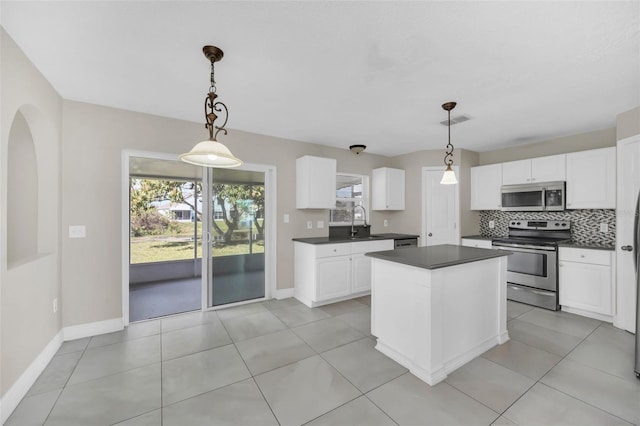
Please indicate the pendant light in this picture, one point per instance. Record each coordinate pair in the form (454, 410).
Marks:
(211, 153)
(449, 176)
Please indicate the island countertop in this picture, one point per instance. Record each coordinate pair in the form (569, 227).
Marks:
(434, 257)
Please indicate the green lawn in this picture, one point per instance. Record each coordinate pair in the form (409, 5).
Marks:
(177, 244)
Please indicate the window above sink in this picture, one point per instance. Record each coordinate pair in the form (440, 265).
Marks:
(351, 190)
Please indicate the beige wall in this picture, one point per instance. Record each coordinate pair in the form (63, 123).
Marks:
(29, 286)
(581, 142)
(628, 123)
(409, 221)
(469, 219)
(94, 138)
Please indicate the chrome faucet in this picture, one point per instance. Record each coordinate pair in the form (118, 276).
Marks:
(353, 218)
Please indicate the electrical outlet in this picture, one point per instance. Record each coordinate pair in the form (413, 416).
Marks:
(285, 218)
(55, 305)
(309, 224)
(386, 222)
(320, 224)
(604, 227)
(492, 224)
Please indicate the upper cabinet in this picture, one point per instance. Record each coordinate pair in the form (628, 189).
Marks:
(485, 187)
(591, 179)
(542, 169)
(387, 189)
(315, 182)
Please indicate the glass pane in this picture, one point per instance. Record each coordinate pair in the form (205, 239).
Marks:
(522, 199)
(237, 231)
(528, 263)
(164, 220)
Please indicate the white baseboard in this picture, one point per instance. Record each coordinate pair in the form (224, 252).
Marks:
(284, 293)
(93, 329)
(14, 395)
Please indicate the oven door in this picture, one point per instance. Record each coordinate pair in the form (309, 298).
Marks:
(531, 266)
(522, 198)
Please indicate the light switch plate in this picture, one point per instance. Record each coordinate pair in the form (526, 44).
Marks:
(386, 222)
(285, 218)
(309, 224)
(320, 224)
(604, 227)
(77, 231)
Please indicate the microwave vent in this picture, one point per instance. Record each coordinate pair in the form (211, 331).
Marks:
(456, 120)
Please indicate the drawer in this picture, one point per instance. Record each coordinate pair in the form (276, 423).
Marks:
(327, 250)
(369, 246)
(596, 257)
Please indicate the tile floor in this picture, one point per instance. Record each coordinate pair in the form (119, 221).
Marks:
(279, 362)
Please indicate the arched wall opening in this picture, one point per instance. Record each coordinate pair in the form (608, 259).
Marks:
(22, 194)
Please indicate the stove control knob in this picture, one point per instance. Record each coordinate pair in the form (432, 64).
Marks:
(518, 223)
(557, 224)
(564, 224)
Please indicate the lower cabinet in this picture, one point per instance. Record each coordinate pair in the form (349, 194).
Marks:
(326, 273)
(587, 282)
(471, 242)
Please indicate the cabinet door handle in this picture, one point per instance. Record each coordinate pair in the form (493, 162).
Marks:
(430, 234)
(626, 248)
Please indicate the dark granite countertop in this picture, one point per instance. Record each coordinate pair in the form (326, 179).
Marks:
(336, 240)
(479, 237)
(590, 246)
(434, 257)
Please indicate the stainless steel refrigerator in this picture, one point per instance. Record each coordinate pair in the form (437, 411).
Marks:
(636, 247)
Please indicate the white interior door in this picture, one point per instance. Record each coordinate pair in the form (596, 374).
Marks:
(440, 209)
(628, 188)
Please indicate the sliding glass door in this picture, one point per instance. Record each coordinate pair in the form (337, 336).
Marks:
(236, 236)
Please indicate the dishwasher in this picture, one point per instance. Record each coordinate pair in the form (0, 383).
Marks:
(405, 242)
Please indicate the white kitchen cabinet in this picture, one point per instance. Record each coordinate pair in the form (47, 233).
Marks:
(333, 277)
(591, 179)
(387, 189)
(327, 273)
(479, 243)
(587, 282)
(485, 187)
(542, 169)
(315, 182)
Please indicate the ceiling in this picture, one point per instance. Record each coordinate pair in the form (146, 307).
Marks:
(343, 73)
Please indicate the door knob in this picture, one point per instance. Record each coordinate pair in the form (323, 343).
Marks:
(626, 248)
(430, 234)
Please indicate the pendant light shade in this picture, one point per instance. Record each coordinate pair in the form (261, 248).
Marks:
(211, 153)
(449, 176)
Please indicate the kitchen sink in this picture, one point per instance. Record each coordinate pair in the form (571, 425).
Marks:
(367, 237)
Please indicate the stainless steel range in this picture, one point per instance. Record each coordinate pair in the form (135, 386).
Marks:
(532, 269)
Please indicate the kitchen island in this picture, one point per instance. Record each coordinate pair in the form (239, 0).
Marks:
(433, 309)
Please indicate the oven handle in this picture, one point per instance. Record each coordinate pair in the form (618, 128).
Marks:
(538, 292)
(524, 246)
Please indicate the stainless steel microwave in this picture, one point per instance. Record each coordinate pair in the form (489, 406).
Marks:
(533, 197)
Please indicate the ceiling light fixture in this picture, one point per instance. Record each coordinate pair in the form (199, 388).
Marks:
(211, 153)
(357, 148)
(449, 177)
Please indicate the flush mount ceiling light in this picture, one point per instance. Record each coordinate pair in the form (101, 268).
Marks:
(211, 153)
(357, 148)
(449, 177)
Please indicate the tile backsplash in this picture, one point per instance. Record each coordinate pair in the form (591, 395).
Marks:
(585, 224)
